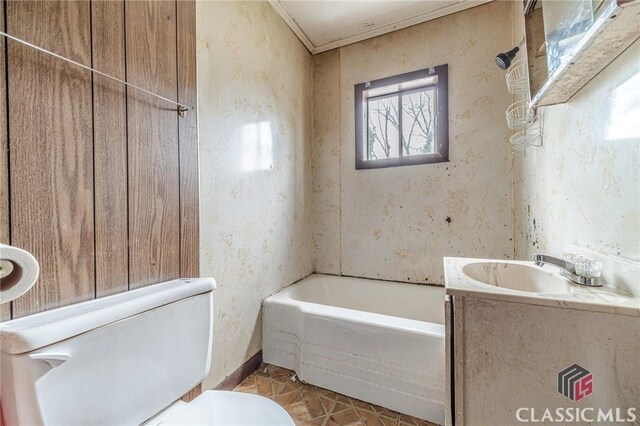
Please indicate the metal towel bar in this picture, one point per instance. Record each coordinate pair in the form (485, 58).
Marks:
(182, 109)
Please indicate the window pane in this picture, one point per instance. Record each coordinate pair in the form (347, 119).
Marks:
(399, 87)
(383, 140)
(419, 122)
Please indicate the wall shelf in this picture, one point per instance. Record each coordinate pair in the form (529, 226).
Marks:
(519, 115)
(524, 139)
(518, 78)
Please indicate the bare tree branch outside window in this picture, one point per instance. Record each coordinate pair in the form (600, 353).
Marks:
(402, 120)
(417, 121)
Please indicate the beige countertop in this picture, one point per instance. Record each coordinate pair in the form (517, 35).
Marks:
(605, 299)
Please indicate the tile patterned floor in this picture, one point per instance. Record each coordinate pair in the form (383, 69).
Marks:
(312, 406)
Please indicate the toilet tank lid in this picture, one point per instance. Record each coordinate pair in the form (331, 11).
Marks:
(39, 330)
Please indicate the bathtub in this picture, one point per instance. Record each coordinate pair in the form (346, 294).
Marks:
(378, 341)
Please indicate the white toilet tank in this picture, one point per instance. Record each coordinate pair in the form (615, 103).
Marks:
(111, 361)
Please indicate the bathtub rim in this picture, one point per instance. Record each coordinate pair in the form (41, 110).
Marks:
(389, 322)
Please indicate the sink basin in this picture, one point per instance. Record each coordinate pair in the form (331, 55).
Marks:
(519, 281)
(515, 276)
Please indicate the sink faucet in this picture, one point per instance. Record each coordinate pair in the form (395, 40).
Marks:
(578, 270)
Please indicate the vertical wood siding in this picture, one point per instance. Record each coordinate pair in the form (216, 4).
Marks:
(98, 181)
(51, 150)
(154, 184)
(5, 310)
(110, 148)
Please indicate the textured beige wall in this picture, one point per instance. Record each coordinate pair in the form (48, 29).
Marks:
(582, 187)
(254, 88)
(391, 223)
(259, 157)
(326, 162)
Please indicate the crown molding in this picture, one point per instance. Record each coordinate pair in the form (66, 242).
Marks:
(376, 31)
(293, 25)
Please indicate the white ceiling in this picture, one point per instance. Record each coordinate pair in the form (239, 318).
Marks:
(324, 25)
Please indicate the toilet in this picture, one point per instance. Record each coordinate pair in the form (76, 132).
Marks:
(124, 359)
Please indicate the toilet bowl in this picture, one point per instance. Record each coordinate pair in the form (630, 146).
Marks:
(223, 408)
(124, 359)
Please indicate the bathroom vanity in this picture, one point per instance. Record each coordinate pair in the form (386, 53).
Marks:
(520, 337)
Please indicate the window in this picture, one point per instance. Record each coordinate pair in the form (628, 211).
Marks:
(402, 120)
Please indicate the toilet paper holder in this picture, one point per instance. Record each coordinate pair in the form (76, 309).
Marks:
(19, 271)
(6, 268)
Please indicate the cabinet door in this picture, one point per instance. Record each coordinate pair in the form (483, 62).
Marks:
(448, 346)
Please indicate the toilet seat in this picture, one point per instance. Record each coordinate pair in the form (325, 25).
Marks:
(223, 408)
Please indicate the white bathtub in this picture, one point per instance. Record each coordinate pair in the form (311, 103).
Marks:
(378, 341)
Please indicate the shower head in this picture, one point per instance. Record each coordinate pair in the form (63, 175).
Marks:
(504, 59)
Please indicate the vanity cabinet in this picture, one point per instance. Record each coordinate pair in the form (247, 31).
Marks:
(504, 360)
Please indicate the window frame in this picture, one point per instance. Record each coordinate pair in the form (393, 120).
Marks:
(442, 118)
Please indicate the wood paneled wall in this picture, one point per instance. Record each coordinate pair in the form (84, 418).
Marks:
(110, 149)
(97, 180)
(5, 310)
(51, 150)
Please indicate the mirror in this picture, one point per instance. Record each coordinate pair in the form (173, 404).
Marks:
(570, 41)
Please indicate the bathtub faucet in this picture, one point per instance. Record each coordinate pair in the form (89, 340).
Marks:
(574, 267)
